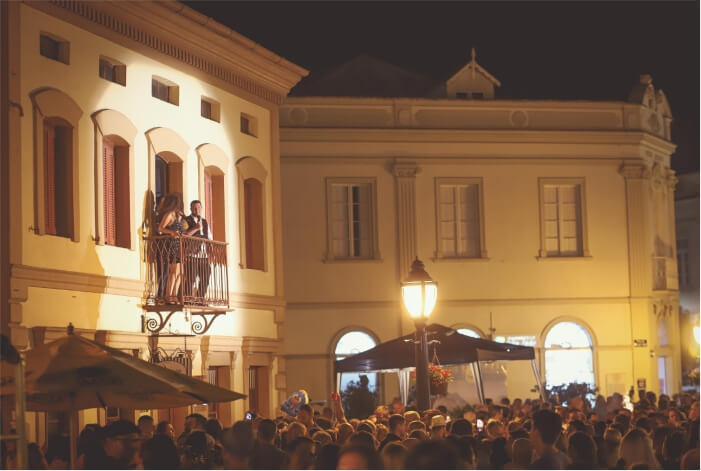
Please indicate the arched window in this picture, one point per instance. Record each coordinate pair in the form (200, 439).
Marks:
(251, 182)
(352, 343)
(568, 355)
(469, 333)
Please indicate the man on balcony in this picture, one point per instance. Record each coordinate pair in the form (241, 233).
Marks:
(197, 259)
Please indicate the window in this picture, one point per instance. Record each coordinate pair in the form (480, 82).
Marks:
(113, 71)
(255, 241)
(562, 218)
(683, 263)
(568, 355)
(251, 188)
(459, 218)
(165, 90)
(116, 199)
(249, 125)
(525, 340)
(351, 218)
(209, 109)
(352, 343)
(214, 202)
(58, 177)
(462, 95)
(477, 95)
(54, 48)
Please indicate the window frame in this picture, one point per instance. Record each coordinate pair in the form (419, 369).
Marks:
(251, 127)
(173, 90)
(119, 71)
(111, 123)
(439, 181)
(214, 109)
(53, 103)
(63, 52)
(374, 238)
(581, 182)
(246, 168)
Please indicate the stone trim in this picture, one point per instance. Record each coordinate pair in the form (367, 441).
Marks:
(98, 14)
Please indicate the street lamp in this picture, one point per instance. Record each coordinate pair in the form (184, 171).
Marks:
(419, 293)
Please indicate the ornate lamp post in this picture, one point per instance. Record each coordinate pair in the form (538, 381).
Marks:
(419, 293)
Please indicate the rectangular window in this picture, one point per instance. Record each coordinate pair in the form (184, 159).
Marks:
(58, 141)
(165, 90)
(477, 95)
(562, 218)
(254, 233)
(210, 109)
(461, 95)
(113, 71)
(249, 125)
(351, 219)
(459, 218)
(54, 48)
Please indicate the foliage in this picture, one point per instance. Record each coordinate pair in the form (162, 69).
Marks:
(459, 412)
(358, 401)
(565, 392)
(438, 374)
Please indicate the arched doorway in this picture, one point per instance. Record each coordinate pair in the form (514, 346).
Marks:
(569, 355)
(351, 343)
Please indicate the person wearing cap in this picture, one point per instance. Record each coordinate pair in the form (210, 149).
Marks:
(437, 427)
(411, 415)
(120, 444)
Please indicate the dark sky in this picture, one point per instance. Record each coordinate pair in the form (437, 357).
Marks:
(557, 50)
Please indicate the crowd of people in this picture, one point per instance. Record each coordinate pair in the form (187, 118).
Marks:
(658, 433)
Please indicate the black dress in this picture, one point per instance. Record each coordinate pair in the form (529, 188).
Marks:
(174, 242)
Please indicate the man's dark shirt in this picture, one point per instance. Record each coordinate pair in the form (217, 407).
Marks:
(204, 232)
(389, 438)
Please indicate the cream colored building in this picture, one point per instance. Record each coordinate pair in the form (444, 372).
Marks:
(545, 223)
(159, 88)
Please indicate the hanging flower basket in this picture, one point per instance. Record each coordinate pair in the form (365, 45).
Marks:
(439, 376)
(439, 389)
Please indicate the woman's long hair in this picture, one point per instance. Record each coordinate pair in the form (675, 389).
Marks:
(636, 448)
(172, 202)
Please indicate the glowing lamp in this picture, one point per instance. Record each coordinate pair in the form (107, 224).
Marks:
(419, 292)
(696, 333)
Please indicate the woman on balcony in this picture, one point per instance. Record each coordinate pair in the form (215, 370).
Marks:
(172, 224)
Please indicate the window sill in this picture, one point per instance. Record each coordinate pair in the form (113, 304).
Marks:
(352, 260)
(460, 259)
(567, 258)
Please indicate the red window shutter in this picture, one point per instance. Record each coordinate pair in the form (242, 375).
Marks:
(121, 195)
(49, 178)
(253, 203)
(108, 191)
(208, 200)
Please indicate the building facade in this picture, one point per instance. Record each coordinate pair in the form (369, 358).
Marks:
(544, 223)
(110, 106)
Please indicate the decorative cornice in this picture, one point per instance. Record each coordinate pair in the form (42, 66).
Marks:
(280, 81)
(260, 345)
(405, 169)
(634, 171)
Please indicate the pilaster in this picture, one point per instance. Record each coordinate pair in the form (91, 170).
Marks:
(405, 179)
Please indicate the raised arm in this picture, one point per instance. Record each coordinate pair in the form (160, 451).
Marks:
(338, 407)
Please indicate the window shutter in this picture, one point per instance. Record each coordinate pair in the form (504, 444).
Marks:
(121, 196)
(448, 242)
(208, 200)
(253, 201)
(108, 191)
(50, 178)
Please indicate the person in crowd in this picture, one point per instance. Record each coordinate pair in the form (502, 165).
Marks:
(294, 430)
(581, 451)
(521, 454)
(636, 450)
(327, 456)
(547, 428)
(432, 454)
(146, 427)
(608, 454)
(35, 458)
(397, 430)
(437, 427)
(301, 453)
(672, 450)
(265, 454)
(393, 455)
(159, 452)
(322, 438)
(214, 428)
(172, 224)
(358, 457)
(690, 460)
(58, 452)
(119, 443)
(305, 416)
(238, 445)
(197, 256)
(461, 428)
(166, 428)
(344, 431)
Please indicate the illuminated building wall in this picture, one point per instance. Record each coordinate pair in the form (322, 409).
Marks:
(81, 72)
(528, 213)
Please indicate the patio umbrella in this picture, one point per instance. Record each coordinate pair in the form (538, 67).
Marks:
(74, 373)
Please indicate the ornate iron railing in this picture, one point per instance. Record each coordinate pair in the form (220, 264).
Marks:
(203, 265)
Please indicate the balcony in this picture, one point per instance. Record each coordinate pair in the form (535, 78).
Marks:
(202, 287)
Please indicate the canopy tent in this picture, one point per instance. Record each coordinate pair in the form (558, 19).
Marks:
(451, 348)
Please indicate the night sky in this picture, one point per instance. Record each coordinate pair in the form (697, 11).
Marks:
(538, 50)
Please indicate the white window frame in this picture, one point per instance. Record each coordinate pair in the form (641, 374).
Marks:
(584, 243)
(442, 181)
(349, 181)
